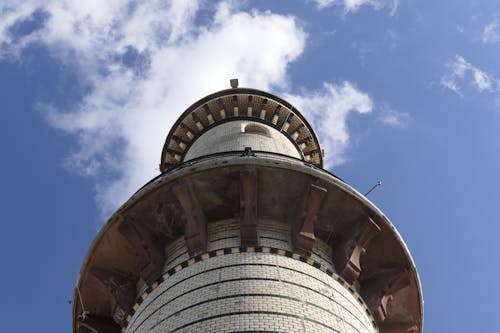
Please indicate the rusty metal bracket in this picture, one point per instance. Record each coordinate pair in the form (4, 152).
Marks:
(348, 252)
(152, 256)
(121, 287)
(195, 227)
(303, 236)
(379, 289)
(248, 207)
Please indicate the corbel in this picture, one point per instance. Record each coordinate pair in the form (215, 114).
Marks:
(152, 256)
(303, 234)
(122, 288)
(378, 290)
(195, 226)
(348, 252)
(248, 207)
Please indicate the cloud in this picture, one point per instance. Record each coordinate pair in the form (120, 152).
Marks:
(449, 83)
(143, 63)
(364, 51)
(391, 38)
(351, 6)
(491, 34)
(460, 70)
(328, 110)
(393, 118)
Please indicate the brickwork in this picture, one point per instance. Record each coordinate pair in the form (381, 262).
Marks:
(223, 234)
(249, 292)
(292, 295)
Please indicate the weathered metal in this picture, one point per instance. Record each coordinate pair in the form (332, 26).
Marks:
(304, 233)
(352, 246)
(195, 227)
(121, 288)
(248, 207)
(148, 248)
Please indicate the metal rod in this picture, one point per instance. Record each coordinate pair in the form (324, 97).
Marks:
(374, 187)
(84, 312)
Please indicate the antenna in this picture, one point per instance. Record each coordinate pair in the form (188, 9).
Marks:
(374, 187)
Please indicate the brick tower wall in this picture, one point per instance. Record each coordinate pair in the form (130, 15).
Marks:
(255, 289)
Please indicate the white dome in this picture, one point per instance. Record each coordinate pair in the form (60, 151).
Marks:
(237, 135)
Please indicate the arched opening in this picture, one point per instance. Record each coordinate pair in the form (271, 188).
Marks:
(256, 129)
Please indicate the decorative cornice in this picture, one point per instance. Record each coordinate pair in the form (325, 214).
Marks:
(239, 104)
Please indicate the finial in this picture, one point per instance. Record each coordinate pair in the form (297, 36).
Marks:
(234, 83)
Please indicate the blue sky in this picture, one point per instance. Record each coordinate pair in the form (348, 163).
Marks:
(403, 91)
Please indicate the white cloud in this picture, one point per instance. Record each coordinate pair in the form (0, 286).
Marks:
(481, 80)
(393, 7)
(393, 117)
(460, 70)
(322, 4)
(391, 38)
(328, 110)
(491, 34)
(351, 6)
(145, 62)
(449, 83)
(364, 51)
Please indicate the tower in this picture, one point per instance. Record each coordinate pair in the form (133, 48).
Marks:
(244, 231)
